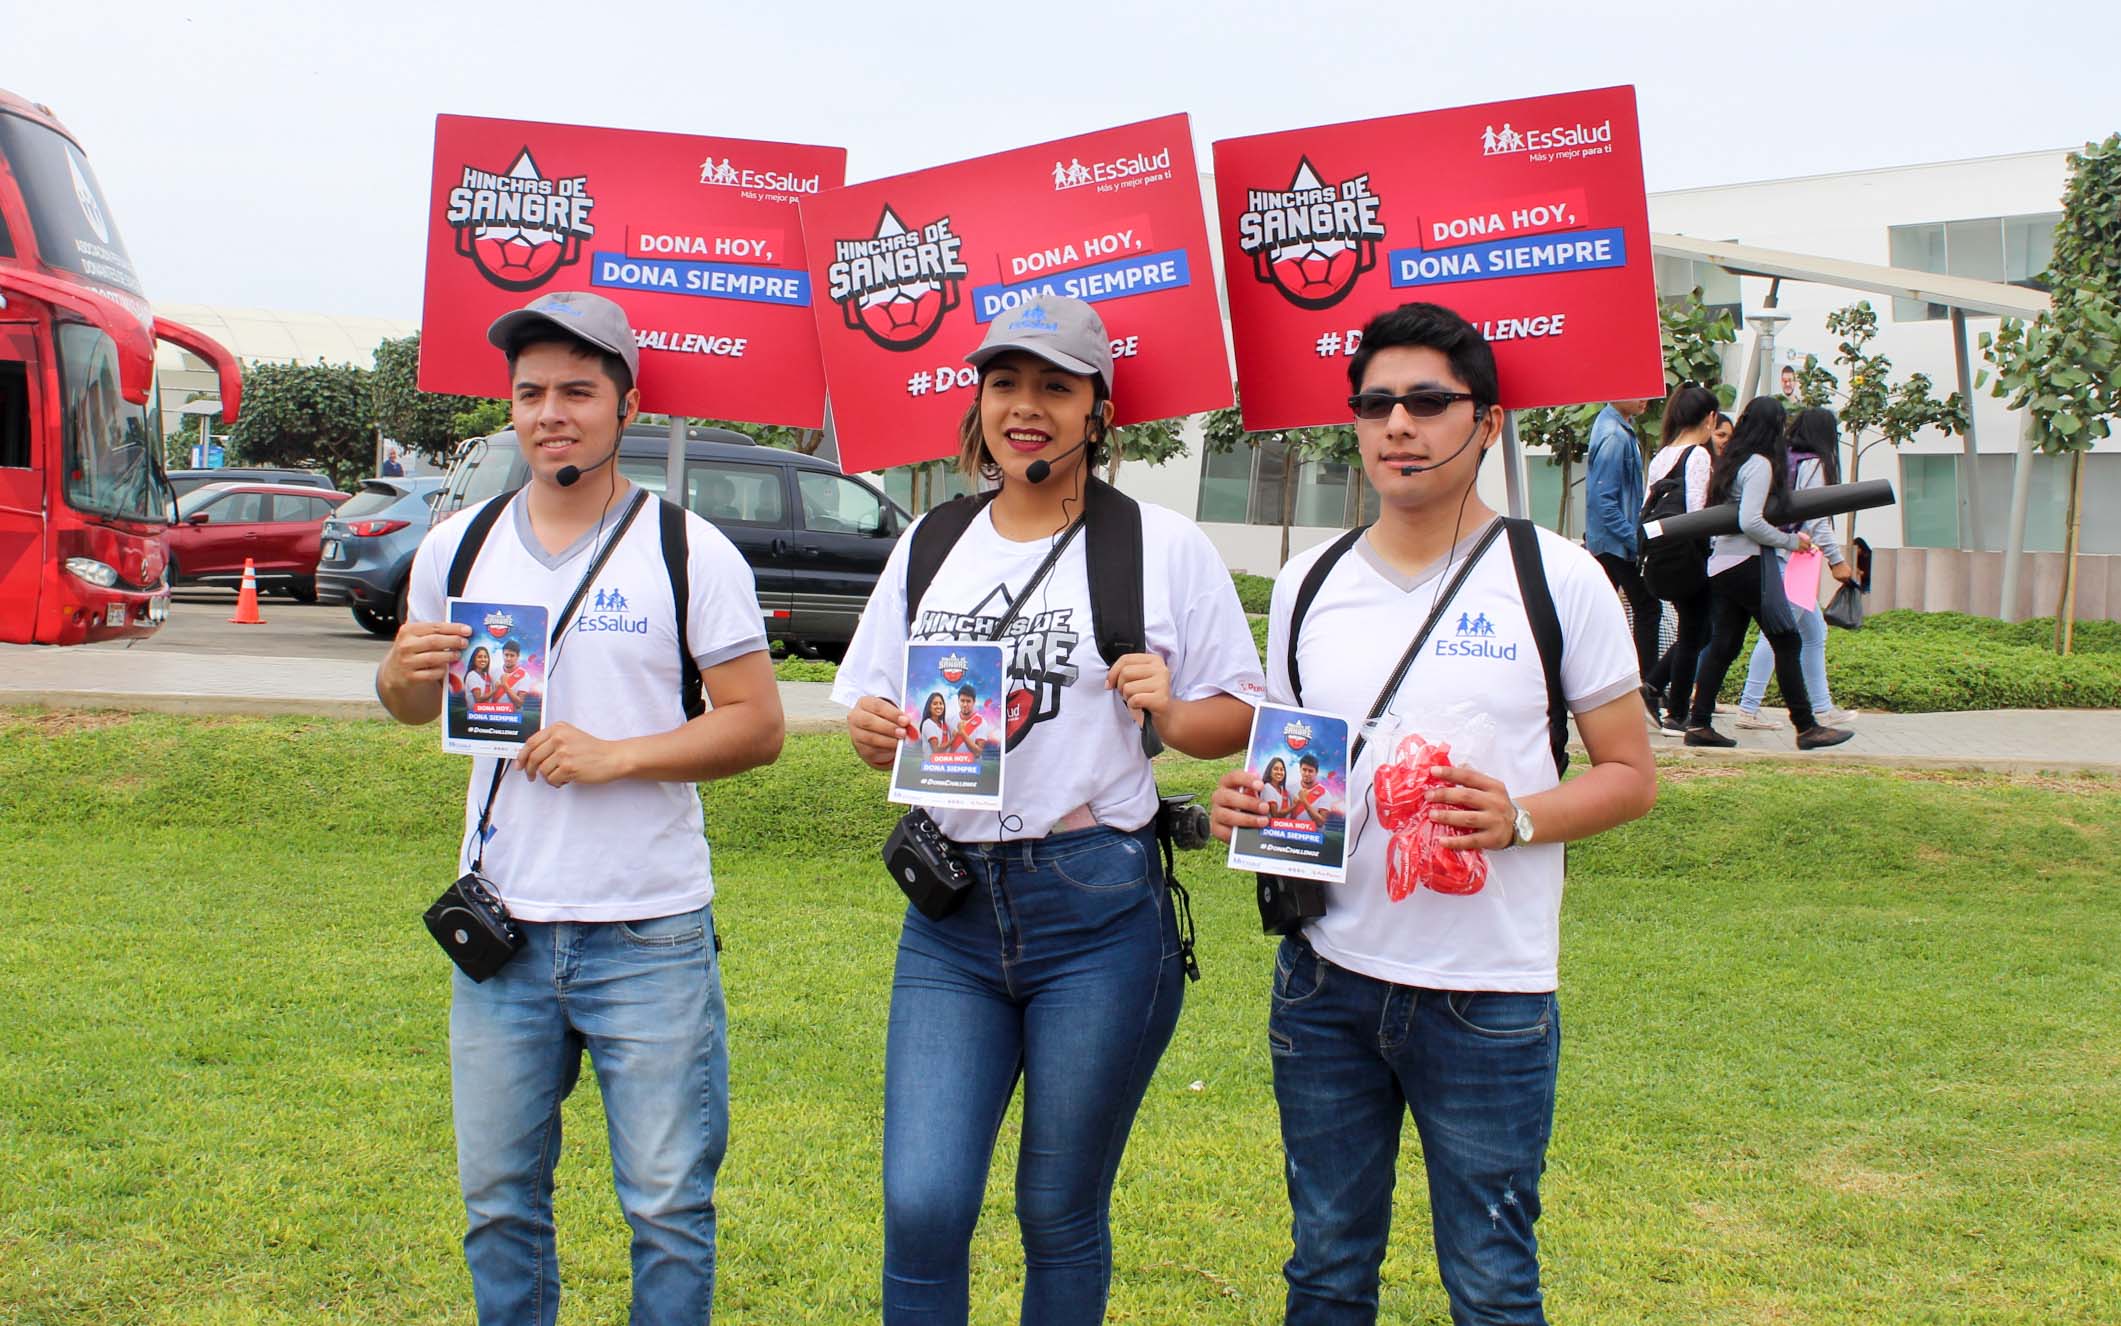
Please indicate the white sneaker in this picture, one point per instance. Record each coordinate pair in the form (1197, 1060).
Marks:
(1756, 722)
(1838, 715)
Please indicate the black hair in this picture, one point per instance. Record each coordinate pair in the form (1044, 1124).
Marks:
(1815, 432)
(1432, 327)
(1311, 760)
(511, 643)
(965, 692)
(1757, 433)
(1723, 418)
(1687, 408)
(614, 367)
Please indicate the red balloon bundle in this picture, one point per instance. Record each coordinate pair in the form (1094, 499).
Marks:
(1415, 857)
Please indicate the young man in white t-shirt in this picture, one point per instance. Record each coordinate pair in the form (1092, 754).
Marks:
(1438, 1004)
(595, 843)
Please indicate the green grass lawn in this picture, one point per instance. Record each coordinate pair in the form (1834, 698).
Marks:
(1841, 1048)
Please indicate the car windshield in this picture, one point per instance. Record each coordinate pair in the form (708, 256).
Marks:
(113, 460)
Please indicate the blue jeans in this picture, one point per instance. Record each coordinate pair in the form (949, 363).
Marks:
(644, 998)
(1352, 1055)
(1061, 968)
(1811, 654)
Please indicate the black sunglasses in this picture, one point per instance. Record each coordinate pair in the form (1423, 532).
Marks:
(1420, 404)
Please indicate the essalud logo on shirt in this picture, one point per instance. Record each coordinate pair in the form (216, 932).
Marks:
(1474, 638)
(608, 615)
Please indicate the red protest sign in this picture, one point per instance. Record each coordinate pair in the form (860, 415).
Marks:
(696, 238)
(909, 271)
(1526, 217)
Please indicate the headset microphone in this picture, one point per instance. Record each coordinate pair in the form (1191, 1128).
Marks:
(1038, 470)
(571, 475)
(1407, 471)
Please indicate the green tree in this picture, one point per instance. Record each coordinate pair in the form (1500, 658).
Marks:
(1224, 430)
(1690, 336)
(424, 421)
(2062, 368)
(1873, 408)
(805, 440)
(308, 416)
(481, 419)
(1153, 441)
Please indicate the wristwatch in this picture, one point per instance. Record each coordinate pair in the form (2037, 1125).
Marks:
(1520, 825)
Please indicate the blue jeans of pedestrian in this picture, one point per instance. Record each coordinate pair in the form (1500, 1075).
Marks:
(1352, 1056)
(1811, 654)
(1061, 969)
(644, 999)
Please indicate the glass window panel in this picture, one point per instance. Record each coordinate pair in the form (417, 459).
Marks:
(746, 494)
(1322, 495)
(1974, 249)
(649, 472)
(2028, 247)
(835, 505)
(1929, 501)
(238, 509)
(1225, 486)
(1266, 491)
(1918, 248)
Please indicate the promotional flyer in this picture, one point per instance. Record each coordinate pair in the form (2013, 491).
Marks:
(698, 239)
(496, 689)
(953, 696)
(1301, 755)
(1527, 218)
(909, 271)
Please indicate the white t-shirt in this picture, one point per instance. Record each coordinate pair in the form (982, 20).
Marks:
(1507, 936)
(629, 850)
(934, 735)
(1070, 741)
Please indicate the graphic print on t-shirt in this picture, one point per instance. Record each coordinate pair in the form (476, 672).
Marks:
(1041, 651)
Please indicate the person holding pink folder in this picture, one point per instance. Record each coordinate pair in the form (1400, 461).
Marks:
(1814, 461)
(1745, 582)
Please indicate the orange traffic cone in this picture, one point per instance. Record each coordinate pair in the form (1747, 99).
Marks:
(247, 598)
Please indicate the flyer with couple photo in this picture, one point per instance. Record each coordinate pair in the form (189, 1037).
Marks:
(953, 699)
(1301, 756)
(496, 690)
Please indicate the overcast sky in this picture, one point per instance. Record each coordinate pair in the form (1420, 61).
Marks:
(277, 155)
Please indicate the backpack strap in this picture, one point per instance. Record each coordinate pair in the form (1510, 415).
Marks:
(1307, 591)
(937, 533)
(677, 563)
(1546, 630)
(1113, 552)
(482, 523)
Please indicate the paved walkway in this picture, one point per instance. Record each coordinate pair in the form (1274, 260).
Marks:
(2016, 740)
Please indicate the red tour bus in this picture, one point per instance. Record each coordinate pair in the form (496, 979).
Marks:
(84, 501)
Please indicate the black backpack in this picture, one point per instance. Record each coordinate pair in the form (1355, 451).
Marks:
(1112, 545)
(1672, 569)
(674, 564)
(1538, 610)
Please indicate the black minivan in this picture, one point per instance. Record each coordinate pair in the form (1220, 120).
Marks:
(815, 538)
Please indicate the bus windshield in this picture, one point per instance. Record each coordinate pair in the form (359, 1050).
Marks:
(112, 468)
(73, 225)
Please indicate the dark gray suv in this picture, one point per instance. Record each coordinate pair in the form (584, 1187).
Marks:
(365, 550)
(815, 538)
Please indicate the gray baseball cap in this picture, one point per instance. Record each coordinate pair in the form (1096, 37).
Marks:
(592, 319)
(1065, 332)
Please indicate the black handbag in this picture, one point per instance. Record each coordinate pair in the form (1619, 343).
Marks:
(1845, 609)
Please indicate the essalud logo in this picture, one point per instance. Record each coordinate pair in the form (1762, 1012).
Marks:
(1312, 240)
(897, 285)
(1496, 142)
(519, 228)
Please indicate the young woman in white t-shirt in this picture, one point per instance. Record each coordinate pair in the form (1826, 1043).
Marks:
(1274, 785)
(935, 722)
(1062, 968)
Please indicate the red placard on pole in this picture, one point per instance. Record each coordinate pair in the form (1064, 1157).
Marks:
(697, 238)
(909, 271)
(1526, 217)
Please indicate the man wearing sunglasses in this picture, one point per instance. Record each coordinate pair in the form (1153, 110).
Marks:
(1439, 1005)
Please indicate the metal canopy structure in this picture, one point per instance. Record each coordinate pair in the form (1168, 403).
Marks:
(1961, 295)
